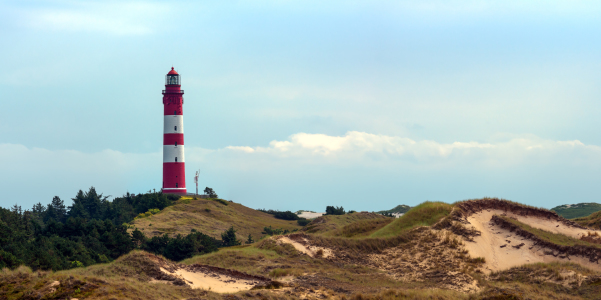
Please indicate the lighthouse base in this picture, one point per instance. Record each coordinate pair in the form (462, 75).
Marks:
(177, 191)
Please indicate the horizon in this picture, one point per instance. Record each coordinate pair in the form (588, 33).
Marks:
(301, 105)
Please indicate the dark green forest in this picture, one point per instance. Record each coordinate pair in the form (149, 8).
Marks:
(91, 230)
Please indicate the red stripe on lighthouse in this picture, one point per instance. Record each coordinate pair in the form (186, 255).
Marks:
(173, 138)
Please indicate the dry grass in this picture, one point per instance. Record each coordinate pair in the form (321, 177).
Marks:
(593, 221)
(210, 217)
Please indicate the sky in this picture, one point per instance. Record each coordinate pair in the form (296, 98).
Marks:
(294, 105)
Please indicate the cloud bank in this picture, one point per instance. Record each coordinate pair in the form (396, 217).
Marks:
(329, 165)
(365, 148)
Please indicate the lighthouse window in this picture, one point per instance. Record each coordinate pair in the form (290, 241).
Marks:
(175, 112)
(176, 184)
(175, 128)
(176, 159)
(176, 144)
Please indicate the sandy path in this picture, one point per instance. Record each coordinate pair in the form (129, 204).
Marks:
(215, 283)
(488, 244)
(306, 248)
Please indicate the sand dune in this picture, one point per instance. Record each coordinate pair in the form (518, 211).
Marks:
(500, 247)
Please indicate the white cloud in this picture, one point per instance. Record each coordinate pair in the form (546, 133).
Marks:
(362, 148)
(118, 18)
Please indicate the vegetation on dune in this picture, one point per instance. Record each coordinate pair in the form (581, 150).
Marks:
(593, 221)
(556, 280)
(425, 214)
(572, 211)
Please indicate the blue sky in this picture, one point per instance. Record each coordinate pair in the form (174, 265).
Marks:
(301, 104)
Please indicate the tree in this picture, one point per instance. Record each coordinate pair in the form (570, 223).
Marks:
(138, 238)
(332, 210)
(229, 238)
(209, 191)
(250, 239)
(56, 210)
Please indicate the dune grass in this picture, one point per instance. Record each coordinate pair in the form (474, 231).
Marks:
(425, 214)
(593, 221)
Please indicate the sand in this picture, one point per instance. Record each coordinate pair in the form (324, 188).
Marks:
(310, 215)
(306, 248)
(218, 283)
(213, 282)
(488, 244)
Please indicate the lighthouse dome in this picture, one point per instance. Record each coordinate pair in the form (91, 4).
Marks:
(172, 72)
(172, 78)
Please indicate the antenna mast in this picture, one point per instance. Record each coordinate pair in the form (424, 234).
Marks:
(196, 180)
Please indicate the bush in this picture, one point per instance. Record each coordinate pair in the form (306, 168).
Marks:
(286, 215)
(274, 231)
(303, 221)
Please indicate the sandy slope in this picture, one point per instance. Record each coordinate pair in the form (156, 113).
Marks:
(310, 215)
(214, 282)
(303, 246)
(488, 244)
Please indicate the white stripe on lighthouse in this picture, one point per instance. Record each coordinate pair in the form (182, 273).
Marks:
(174, 124)
(170, 152)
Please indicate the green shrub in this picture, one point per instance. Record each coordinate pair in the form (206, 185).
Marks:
(303, 222)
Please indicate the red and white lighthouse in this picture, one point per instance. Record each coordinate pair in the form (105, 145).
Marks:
(174, 176)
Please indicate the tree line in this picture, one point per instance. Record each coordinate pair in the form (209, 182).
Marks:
(91, 230)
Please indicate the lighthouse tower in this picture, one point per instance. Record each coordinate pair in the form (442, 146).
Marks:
(174, 177)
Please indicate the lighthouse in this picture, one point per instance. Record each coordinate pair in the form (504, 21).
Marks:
(174, 177)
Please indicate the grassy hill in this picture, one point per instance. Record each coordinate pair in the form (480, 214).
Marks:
(571, 211)
(425, 214)
(398, 209)
(348, 225)
(211, 217)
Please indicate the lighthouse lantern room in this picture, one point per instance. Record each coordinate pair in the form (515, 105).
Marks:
(174, 177)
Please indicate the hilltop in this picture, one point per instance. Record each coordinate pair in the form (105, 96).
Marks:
(572, 211)
(211, 217)
(399, 209)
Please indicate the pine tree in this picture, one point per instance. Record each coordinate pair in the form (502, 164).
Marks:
(250, 239)
(229, 238)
